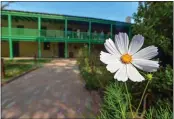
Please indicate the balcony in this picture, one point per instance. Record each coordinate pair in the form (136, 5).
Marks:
(52, 35)
(19, 33)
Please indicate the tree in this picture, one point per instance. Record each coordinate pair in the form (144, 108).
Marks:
(154, 20)
(3, 6)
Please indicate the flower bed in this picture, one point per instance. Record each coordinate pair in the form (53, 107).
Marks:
(146, 92)
(14, 68)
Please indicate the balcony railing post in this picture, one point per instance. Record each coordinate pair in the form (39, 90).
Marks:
(89, 47)
(10, 39)
(89, 30)
(39, 34)
(66, 25)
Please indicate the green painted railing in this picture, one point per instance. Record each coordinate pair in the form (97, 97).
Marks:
(78, 35)
(21, 32)
(71, 35)
(4, 32)
(98, 36)
(52, 34)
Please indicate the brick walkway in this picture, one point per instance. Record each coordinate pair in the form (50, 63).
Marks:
(54, 91)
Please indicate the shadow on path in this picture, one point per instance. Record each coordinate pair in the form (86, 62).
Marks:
(53, 91)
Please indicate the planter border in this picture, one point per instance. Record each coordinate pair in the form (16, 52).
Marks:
(20, 75)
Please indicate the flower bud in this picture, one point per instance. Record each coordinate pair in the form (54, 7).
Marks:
(149, 76)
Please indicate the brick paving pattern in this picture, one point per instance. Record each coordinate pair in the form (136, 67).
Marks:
(53, 91)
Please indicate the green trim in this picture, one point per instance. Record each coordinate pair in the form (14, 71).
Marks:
(58, 16)
(4, 39)
(25, 34)
(39, 26)
(30, 14)
(9, 25)
(23, 38)
(10, 39)
(97, 41)
(90, 30)
(39, 33)
(66, 27)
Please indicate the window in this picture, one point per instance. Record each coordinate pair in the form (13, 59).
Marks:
(46, 46)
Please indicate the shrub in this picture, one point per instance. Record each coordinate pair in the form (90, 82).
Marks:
(160, 88)
(92, 70)
(115, 104)
(161, 111)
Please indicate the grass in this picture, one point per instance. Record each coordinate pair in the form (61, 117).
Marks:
(16, 67)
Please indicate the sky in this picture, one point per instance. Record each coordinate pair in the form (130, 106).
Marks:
(117, 11)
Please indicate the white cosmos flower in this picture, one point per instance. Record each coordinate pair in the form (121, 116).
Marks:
(123, 58)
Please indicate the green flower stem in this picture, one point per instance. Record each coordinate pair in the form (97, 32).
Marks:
(123, 115)
(142, 97)
(129, 100)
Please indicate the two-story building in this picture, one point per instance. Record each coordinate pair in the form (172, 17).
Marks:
(25, 34)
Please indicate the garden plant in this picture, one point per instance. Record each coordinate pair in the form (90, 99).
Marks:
(149, 92)
(122, 60)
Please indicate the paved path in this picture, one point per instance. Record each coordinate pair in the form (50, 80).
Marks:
(53, 91)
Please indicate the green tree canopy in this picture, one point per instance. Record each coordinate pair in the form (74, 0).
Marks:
(154, 20)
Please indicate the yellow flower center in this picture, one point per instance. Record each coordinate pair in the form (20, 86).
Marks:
(126, 58)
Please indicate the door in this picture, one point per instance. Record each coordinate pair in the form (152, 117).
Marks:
(61, 49)
(15, 48)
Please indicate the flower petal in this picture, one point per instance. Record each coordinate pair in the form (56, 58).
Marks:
(136, 44)
(146, 53)
(113, 67)
(146, 65)
(110, 47)
(122, 42)
(121, 74)
(133, 74)
(108, 58)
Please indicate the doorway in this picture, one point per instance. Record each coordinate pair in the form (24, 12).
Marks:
(61, 49)
(15, 48)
